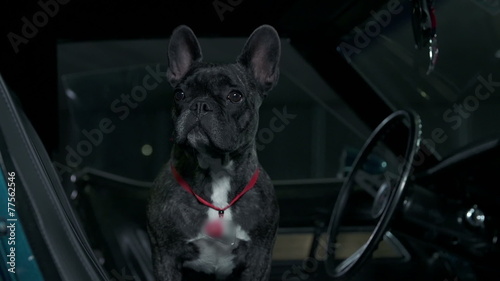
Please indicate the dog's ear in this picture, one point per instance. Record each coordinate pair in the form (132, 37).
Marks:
(183, 50)
(261, 55)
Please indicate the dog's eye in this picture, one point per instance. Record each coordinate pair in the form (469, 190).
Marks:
(179, 95)
(235, 96)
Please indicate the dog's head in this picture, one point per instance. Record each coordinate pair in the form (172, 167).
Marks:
(216, 105)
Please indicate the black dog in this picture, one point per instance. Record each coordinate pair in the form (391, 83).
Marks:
(213, 213)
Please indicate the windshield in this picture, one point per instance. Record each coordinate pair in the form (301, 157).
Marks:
(459, 100)
(115, 107)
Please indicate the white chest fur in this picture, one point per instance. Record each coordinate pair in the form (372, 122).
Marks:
(220, 190)
(215, 257)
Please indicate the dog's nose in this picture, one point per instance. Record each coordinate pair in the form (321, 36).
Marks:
(200, 108)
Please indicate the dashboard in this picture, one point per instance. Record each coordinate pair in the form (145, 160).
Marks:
(453, 206)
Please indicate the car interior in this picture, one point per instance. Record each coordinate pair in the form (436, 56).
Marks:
(380, 136)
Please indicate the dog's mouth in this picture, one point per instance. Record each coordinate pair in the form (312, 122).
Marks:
(197, 137)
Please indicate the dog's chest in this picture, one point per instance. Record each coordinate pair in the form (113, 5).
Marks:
(216, 256)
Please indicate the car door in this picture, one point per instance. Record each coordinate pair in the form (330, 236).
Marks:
(46, 240)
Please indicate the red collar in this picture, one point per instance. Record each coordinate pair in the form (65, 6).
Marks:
(188, 188)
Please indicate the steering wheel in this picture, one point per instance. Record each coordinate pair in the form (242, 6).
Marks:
(405, 127)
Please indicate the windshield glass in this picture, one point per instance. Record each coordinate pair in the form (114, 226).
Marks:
(459, 100)
(115, 104)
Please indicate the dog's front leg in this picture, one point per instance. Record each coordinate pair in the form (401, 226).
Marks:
(165, 267)
(166, 270)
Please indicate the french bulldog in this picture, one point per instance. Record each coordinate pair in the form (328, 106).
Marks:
(213, 213)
